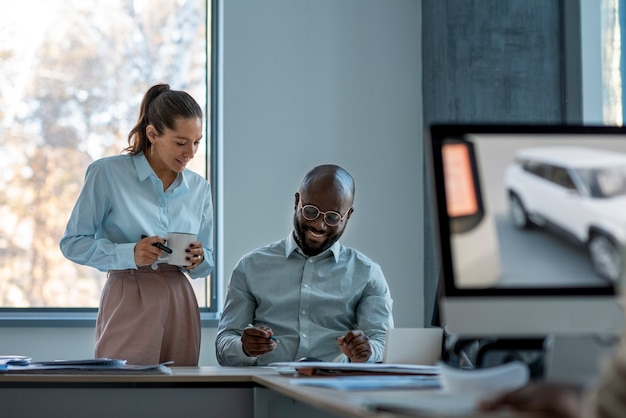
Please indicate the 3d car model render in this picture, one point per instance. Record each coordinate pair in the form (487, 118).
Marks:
(579, 193)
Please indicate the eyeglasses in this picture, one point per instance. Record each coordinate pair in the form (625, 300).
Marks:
(311, 213)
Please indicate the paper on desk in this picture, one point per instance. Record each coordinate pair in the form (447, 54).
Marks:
(106, 363)
(504, 377)
(13, 360)
(88, 366)
(325, 367)
(462, 390)
(368, 382)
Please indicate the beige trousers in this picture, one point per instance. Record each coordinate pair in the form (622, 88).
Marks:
(148, 317)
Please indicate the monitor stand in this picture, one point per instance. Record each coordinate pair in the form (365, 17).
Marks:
(577, 359)
(574, 359)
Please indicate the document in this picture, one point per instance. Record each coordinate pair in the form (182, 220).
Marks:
(105, 363)
(86, 366)
(14, 360)
(340, 369)
(369, 382)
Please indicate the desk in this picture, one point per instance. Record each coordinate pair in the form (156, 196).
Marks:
(231, 392)
(346, 403)
(188, 392)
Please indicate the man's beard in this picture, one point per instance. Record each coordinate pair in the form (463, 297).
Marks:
(300, 237)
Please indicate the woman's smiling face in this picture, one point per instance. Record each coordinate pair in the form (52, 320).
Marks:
(175, 147)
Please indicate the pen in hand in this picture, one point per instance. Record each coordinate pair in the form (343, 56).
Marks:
(271, 336)
(159, 245)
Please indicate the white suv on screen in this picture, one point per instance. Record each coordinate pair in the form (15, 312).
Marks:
(578, 191)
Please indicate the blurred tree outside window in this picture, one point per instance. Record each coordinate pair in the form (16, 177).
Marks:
(72, 76)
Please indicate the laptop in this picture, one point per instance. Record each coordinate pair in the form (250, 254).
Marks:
(413, 346)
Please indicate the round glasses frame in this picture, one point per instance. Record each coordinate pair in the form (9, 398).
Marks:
(319, 212)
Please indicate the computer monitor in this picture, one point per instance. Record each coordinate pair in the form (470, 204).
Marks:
(531, 227)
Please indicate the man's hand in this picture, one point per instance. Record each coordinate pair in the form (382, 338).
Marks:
(356, 346)
(256, 341)
(547, 399)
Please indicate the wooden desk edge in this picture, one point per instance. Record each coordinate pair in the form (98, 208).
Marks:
(202, 374)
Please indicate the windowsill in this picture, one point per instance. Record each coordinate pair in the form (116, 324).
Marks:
(69, 319)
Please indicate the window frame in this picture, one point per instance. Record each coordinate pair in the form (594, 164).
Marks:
(86, 317)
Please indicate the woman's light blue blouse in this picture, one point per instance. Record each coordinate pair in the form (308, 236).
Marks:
(122, 199)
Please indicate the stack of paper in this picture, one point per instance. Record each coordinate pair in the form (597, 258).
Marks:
(369, 382)
(343, 369)
(14, 361)
(88, 366)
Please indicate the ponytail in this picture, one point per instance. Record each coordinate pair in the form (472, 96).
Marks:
(160, 107)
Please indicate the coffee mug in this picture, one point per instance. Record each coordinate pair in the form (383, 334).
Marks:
(178, 242)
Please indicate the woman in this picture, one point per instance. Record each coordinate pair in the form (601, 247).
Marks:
(148, 311)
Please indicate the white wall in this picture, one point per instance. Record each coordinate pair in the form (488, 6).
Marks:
(304, 83)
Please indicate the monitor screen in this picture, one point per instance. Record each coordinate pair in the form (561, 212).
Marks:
(532, 227)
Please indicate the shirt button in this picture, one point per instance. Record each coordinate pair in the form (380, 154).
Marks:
(306, 286)
(310, 261)
(303, 312)
(303, 335)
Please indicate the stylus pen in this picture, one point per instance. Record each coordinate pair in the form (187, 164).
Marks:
(159, 245)
(271, 336)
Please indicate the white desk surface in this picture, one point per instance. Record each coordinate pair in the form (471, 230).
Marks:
(341, 403)
(350, 403)
(204, 374)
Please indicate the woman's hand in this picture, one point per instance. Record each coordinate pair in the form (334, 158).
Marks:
(195, 254)
(145, 251)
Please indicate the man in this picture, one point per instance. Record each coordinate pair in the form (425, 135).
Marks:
(307, 295)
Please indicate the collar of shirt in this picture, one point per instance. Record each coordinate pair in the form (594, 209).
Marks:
(291, 245)
(144, 170)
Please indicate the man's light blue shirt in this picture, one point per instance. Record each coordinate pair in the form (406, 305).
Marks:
(307, 302)
(122, 198)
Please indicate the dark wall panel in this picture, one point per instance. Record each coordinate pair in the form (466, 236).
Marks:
(492, 60)
(496, 61)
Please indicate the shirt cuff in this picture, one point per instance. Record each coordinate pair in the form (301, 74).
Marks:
(244, 358)
(126, 254)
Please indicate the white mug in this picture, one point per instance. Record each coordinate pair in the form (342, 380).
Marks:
(178, 242)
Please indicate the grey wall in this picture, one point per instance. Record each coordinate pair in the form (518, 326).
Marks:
(591, 61)
(326, 81)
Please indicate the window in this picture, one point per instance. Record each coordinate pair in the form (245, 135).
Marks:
(561, 177)
(536, 168)
(73, 73)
